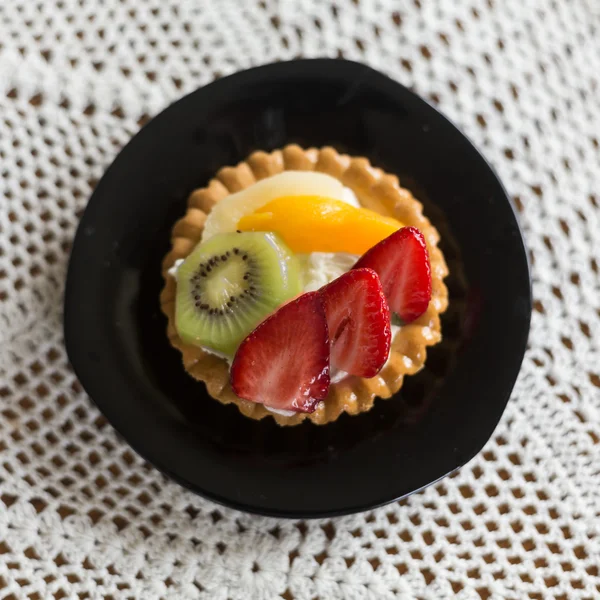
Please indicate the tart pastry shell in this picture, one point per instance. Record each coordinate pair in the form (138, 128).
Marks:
(375, 190)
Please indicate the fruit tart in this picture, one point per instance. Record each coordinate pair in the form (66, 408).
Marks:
(302, 284)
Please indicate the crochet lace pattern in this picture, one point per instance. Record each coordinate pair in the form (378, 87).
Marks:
(82, 516)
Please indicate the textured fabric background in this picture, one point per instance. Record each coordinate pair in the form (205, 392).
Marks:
(81, 516)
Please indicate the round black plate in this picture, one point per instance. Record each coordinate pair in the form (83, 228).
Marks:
(115, 332)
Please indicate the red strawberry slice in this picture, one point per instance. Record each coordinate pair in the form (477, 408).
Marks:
(402, 262)
(284, 362)
(358, 319)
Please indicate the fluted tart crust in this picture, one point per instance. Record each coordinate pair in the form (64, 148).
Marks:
(374, 189)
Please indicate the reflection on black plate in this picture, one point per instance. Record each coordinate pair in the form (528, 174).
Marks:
(115, 332)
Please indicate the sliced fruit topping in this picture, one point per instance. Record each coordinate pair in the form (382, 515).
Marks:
(224, 216)
(321, 224)
(227, 285)
(358, 319)
(284, 362)
(402, 263)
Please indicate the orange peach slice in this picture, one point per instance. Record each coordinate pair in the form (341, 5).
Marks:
(321, 224)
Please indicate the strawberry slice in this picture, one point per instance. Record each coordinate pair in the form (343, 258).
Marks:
(358, 319)
(402, 262)
(284, 362)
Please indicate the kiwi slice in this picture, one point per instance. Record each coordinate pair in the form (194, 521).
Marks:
(229, 284)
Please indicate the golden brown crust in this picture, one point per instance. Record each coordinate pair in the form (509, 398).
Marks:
(374, 189)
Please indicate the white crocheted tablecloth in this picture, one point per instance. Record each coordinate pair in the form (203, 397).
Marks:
(82, 516)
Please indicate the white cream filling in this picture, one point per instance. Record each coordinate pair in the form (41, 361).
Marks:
(173, 270)
(283, 413)
(320, 268)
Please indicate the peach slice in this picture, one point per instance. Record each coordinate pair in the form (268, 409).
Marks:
(320, 224)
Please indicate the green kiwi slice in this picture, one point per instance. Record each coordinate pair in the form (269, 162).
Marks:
(229, 284)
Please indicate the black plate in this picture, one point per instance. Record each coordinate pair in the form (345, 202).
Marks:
(115, 332)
